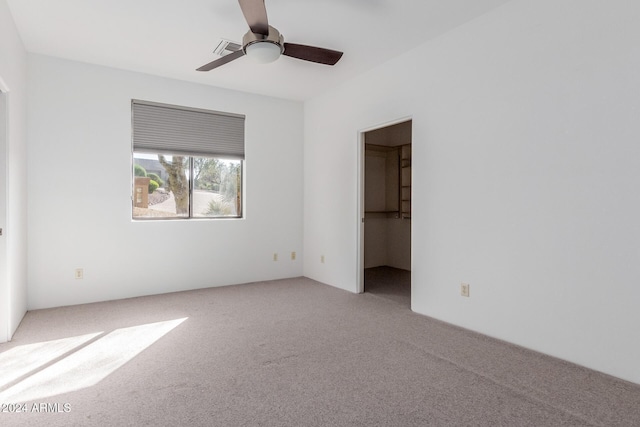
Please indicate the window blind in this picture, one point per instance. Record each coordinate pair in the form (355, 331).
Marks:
(170, 129)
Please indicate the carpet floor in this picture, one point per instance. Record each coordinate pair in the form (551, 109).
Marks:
(289, 352)
(391, 283)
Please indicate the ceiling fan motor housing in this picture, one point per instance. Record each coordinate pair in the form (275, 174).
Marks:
(274, 37)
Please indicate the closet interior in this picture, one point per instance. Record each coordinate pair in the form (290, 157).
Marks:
(387, 206)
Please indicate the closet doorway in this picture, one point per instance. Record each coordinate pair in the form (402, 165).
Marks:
(386, 189)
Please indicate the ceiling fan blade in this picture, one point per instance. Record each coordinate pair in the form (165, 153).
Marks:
(312, 53)
(255, 13)
(218, 62)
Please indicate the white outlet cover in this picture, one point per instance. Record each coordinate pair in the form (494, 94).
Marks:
(464, 289)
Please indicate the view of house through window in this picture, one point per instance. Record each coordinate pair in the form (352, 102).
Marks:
(179, 186)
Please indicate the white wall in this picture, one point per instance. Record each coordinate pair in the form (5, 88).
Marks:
(399, 243)
(80, 180)
(526, 166)
(375, 200)
(4, 287)
(13, 280)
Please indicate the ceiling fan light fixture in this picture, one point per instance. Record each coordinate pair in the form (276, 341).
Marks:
(263, 52)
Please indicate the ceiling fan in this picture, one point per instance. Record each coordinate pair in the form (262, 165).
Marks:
(265, 44)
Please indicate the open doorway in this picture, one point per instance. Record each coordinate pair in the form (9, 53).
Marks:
(386, 188)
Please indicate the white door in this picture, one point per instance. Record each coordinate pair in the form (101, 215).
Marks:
(4, 285)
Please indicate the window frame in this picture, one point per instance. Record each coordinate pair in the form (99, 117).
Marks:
(203, 134)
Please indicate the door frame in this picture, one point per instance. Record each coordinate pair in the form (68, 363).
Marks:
(360, 202)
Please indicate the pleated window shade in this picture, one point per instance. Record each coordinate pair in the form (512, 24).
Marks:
(170, 129)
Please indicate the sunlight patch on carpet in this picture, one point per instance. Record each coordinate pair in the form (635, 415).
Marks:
(21, 360)
(82, 368)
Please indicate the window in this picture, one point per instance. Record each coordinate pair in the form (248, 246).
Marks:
(187, 163)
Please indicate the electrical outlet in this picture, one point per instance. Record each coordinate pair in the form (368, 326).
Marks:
(79, 273)
(322, 259)
(275, 256)
(293, 256)
(464, 289)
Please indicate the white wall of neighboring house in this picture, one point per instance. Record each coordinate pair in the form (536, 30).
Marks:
(80, 189)
(13, 197)
(526, 165)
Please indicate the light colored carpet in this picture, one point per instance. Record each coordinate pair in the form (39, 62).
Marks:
(391, 283)
(291, 353)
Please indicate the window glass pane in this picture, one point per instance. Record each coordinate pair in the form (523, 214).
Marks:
(217, 187)
(160, 186)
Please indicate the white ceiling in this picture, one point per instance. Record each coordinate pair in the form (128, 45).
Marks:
(172, 38)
